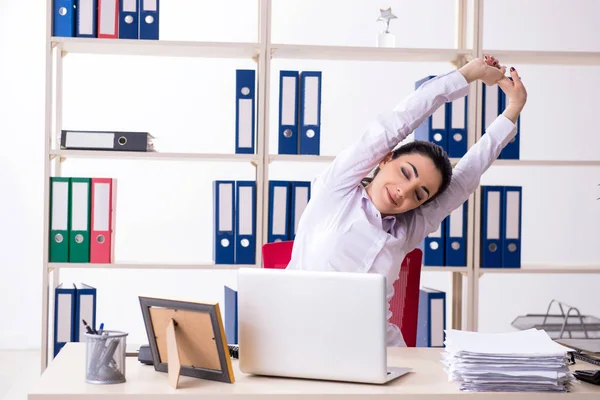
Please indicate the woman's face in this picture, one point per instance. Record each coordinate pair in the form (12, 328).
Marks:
(404, 183)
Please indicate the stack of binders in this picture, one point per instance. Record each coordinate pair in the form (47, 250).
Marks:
(287, 202)
(494, 103)
(447, 246)
(107, 19)
(73, 304)
(300, 112)
(447, 126)
(82, 220)
(234, 222)
(501, 226)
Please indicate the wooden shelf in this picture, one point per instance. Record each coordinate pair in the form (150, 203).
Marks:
(300, 158)
(156, 266)
(544, 269)
(444, 269)
(549, 163)
(356, 53)
(157, 48)
(201, 266)
(545, 57)
(140, 155)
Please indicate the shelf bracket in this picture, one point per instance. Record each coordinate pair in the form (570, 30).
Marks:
(63, 53)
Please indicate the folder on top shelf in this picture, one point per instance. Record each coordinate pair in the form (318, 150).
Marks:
(85, 309)
(492, 215)
(457, 127)
(310, 112)
(63, 18)
(108, 19)
(279, 200)
(231, 315)
(86, 18)
(511, 150)
(223, 222)
(245, 222)
(79, 232)
(431, 321)
(434, 128)
(456, 237)
(103, 200)
(149, 19)
(106, 140)
(245, 94)
(64, 314)
(129, 19)
(289, 85)
(299, 198)
(511, 228)
(434, 246)
(60, 209)
(494, 103)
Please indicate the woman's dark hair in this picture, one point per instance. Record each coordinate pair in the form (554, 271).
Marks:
(435, 152)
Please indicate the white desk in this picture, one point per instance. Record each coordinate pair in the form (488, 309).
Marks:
(64, 379)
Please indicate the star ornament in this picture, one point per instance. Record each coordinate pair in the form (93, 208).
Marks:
(385, 16)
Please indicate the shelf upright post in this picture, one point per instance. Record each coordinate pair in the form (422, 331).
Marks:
(47, 171)
(457, 277)
(264, 77)
(475, 124)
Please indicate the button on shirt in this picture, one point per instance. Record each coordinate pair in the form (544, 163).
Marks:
(342, 230)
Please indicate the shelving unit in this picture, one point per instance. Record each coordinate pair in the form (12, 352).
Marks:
(262, 53)
(518, 57)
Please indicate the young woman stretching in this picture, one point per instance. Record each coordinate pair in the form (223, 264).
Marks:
(359, 224)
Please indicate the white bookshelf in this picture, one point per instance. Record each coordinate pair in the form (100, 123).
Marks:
(130, 265)
(157, 156)
(262, 53)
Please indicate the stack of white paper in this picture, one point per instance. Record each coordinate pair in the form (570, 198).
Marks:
(528, 361)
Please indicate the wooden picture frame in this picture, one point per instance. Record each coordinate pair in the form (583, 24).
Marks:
(187, 338)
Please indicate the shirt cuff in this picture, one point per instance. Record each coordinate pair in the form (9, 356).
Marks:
(455, 84)
(502, 129)
(457, 80)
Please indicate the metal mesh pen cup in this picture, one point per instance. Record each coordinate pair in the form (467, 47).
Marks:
(105, 357)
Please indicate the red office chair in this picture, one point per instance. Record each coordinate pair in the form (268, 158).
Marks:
(277, 255)
(405, 301)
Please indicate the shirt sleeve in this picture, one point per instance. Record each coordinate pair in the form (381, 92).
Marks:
(354, 163)
(465, 179)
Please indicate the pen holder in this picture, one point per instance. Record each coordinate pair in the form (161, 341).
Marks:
(105, 357)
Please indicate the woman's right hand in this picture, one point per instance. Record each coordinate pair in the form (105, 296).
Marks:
(516, 94)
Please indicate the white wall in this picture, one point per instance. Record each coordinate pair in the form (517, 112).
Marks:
(165, 208)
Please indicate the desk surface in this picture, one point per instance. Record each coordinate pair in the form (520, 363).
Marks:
(64, 379)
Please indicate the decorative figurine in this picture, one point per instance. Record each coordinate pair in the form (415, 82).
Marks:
(385, 38)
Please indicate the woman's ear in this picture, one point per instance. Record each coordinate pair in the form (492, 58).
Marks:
(386, 159)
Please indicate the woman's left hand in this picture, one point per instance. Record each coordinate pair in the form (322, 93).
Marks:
(487, 70)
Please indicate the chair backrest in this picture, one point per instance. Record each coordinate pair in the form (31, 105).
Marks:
(405, 302)
(277, 255)
(404, 305)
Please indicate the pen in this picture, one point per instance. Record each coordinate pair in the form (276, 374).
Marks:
(87, 327)
(101, 328)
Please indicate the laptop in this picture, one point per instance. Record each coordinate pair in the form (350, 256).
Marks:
(321, 325)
